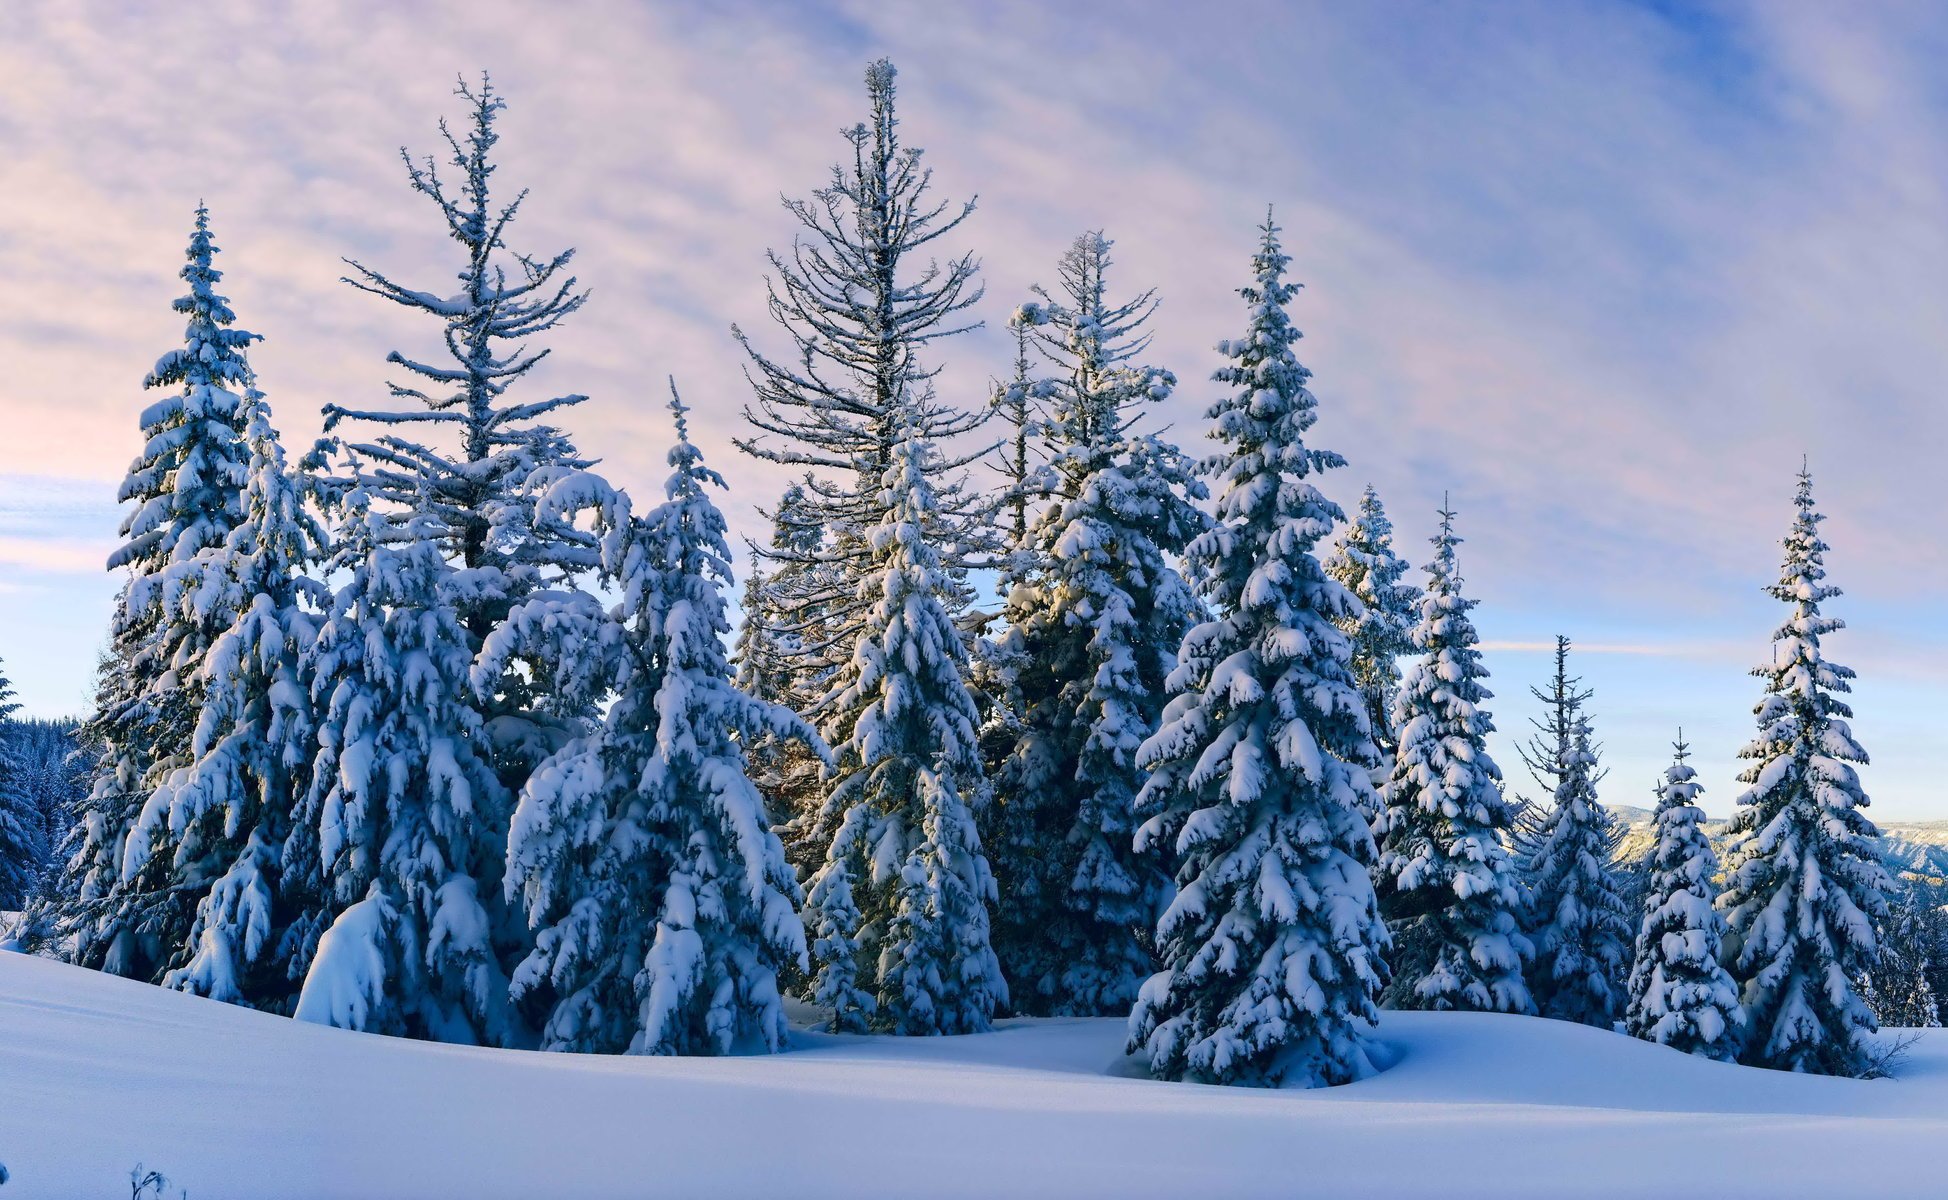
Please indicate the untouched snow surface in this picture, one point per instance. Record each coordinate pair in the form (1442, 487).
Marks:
(97, 1073)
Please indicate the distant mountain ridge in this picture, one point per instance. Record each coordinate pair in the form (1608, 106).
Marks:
(1911, 849)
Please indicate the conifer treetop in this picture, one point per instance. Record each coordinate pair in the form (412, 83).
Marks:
(506, 298)
(1805, 884)
(859, 310)
(187, 479)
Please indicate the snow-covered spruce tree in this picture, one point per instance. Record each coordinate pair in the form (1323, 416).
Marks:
(1900, 985)
(1445, 880)
(1093, 624)
(998, 661)
(1576, 915)
(224, 818)
(1364, 562)
(661, 900)
(473, 490)
(405, 814)
(860, 308)
(790, 651)
(1020, 403)
(755, 655)
(1680, 995)
(23, 841)
(186, 488)
(1273, 947)
(898, 911)
(52, 778)
(1804, 885)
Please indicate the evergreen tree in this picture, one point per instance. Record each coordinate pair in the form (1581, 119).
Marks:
(1272, 947)
(1020, 402)
(224, 818)
(1805, 885)
(472, 493)
(1092, 626)
(791, 651)
(1445, 880)
(898, 910)
(642, 854)
(405, 814)
(23, 840)
(1576, 914)
(54, 776)
(186, 488)
(860, 311)
(1382, 630)
(854, 404)
(1900, 985)
(755, 655)
(1680, 995)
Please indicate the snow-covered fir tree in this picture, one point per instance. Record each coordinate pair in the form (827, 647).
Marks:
(186, 493)
(1019, 402)
(1680, 994)
(1804, 885)
(1092, 626)
(405, 814)
(755, 655)
(224, 818)
(642, 853)
(1273, 946)
(1900, 986)
(53, 777)
(898, 910)
(853, 404)
(1364, 562)
(791, 648)
(1577, 921)
(1446, 881)
(23, 839)
(471, 486)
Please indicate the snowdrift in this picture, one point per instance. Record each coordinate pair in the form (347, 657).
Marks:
(97, 1073)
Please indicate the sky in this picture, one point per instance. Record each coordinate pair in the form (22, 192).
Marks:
(1600, 273)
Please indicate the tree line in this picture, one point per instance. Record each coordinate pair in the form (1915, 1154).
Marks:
(437, 732)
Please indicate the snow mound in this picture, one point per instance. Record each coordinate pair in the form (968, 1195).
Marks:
(98, 1073)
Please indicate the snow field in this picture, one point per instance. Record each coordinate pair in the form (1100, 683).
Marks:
(100, 1072)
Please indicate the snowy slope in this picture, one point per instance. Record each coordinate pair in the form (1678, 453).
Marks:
(97, 1072)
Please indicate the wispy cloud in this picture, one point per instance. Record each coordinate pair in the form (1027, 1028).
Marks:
(1602, 272)
(54, 555)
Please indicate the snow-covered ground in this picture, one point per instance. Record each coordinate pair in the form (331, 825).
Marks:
(97, 1073)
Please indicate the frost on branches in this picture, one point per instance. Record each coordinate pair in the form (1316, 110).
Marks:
(661, 901)
(1576, 916)
(1092, 623)
(223, 820)
(1680, 995)
(187, 491)
(1445, 879)
(1381, 631)
(1272, 948)
(1805, 884)
(406, 810)
(898, 910)
(472, 489)
(23, 843)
